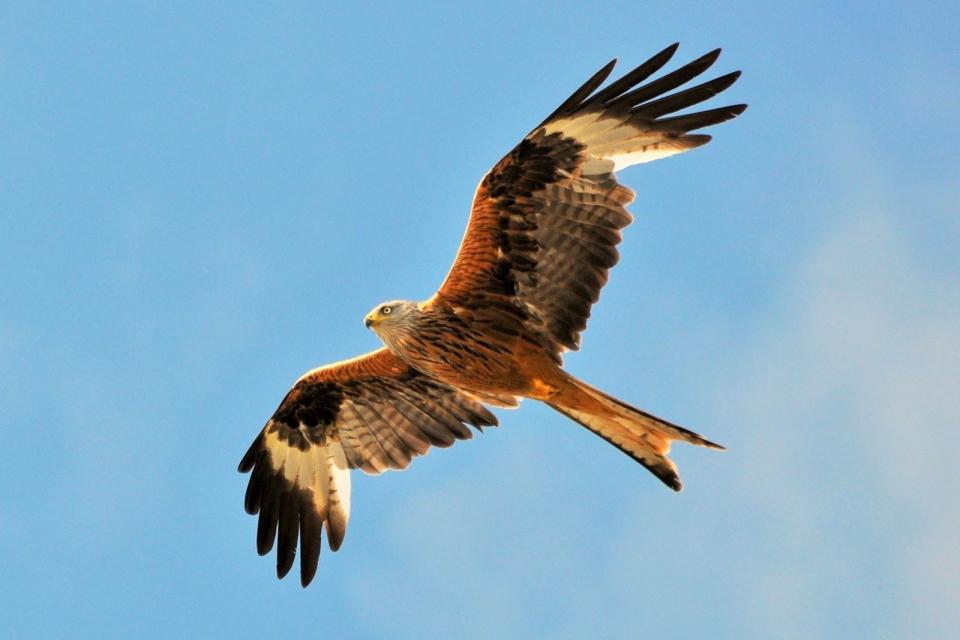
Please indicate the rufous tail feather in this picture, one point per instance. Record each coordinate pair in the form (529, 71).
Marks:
(642, 436)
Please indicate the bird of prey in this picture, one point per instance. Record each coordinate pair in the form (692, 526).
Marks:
(541, 237)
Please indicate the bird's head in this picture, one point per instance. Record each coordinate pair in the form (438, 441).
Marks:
(389, 315)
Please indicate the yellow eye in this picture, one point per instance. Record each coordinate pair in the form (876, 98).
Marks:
(385, 311)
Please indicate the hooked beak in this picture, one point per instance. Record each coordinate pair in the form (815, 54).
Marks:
(368, 322)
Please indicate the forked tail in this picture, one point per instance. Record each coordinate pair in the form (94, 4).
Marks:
(643, 437)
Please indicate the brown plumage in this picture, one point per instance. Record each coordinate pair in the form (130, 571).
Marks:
(541, 239)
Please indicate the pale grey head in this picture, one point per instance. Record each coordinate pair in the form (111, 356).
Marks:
(390, 319)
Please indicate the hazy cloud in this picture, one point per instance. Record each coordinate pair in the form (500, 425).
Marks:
(855, 382)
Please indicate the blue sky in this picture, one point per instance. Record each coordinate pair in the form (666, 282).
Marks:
(199, 203)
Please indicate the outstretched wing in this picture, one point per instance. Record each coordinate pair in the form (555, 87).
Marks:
(374, 413)
(546, 219)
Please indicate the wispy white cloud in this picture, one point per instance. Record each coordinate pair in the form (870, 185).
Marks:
(849, 406)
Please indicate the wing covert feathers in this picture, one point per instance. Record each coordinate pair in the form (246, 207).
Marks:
(546, 220)
(373, 413)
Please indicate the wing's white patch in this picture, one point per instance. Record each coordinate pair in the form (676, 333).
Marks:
(321, 483)
(339, 475)
(571, 127)
(291, 465)
(322, 470)
(338, 494)
(655, 152)
(613, 144)
(277, 449)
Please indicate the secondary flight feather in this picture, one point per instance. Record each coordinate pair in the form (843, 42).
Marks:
(541, 238)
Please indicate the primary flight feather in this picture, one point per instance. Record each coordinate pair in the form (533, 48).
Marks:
(541, 238)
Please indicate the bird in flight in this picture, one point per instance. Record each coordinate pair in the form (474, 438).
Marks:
(541, 238)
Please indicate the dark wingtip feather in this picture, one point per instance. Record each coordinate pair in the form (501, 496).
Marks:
(639, 74)
(250, 457)
(696, 67)
(723, 82)
(311, 531)
(583, 92)
(287, 532)
(670, 81)
(256, 485)
(686, 98)
(711, 56)
(335, 535)
(700, 119)
(269, 515)
(697, 140)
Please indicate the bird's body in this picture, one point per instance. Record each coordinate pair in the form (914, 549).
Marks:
(478, 354)
(541, 239)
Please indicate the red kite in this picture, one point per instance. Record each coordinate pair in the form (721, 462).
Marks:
(540, 241)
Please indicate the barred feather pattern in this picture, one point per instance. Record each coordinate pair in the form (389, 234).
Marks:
(547, 219)
(373, 413)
